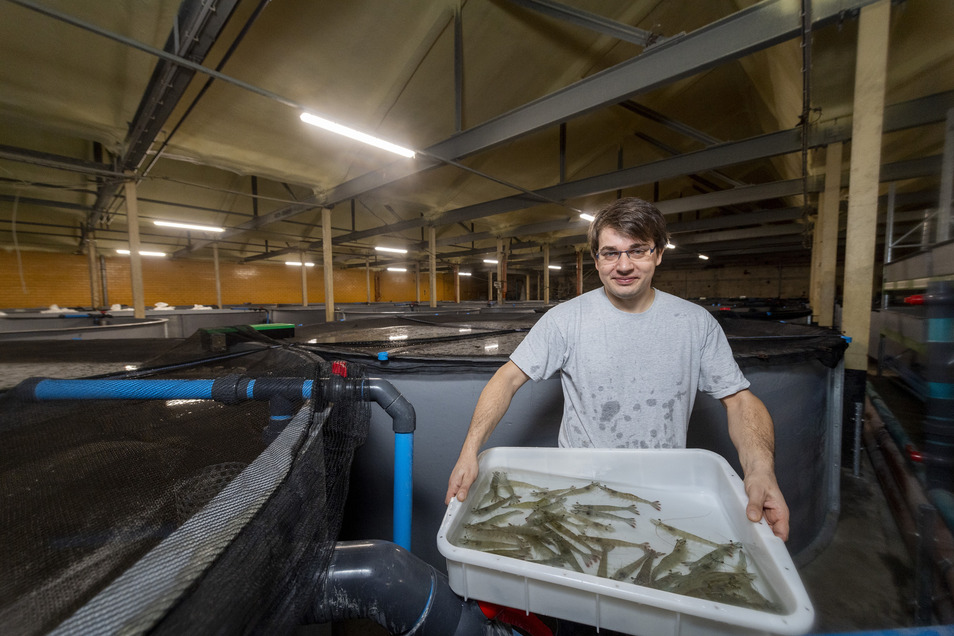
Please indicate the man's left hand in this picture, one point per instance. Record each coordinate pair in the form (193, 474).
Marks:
(766, 500)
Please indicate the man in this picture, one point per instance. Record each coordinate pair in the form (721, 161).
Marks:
(631, 360)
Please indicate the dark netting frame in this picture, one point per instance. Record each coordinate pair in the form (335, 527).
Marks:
(173, 517)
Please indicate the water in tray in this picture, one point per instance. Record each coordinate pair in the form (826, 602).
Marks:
(660, 539)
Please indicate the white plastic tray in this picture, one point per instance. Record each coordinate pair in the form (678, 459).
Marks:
(699, 492)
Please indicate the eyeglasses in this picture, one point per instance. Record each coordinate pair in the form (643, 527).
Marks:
(634, 254)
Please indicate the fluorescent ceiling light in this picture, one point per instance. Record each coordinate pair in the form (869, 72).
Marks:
(704, 257)
(190, 226)
(351, 133)
(396, 250)
(142, 253)
(587, 217)
(670, 246)
(298, 264)
(463, 273)
(397, 269)
(554, 267)
(400, 337)
(490, 261)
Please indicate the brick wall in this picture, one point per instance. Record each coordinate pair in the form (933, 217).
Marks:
(63, 279)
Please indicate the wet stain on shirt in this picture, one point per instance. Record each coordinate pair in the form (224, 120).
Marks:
(610, 409)
(668, 406)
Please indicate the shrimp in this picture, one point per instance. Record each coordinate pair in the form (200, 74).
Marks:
(676, 532)
(629, 496)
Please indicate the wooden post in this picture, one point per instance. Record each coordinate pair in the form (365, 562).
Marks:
(825, 241)
(432, 249)
(866, 132)
(304, 279)
(546, 273)
(95, 284)
(328, 264)
(135, 259)
(218, 277)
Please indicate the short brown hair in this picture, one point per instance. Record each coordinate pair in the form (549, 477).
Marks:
(633, 217)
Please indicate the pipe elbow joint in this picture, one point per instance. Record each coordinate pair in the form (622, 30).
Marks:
(394, 404)
(384, 582)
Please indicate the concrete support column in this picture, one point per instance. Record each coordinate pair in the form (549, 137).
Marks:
(417, 282)
(579, 273)
(500, 274)
(95, 284)
(135, 259)
(432, 254)
(367, 277)
(328, 264)
(526, 287)
(456, 270)
(947, 181)
(490, 286)
(304, 279)
(546, 273)
(825, 241)
(862, 230)
(218, 276)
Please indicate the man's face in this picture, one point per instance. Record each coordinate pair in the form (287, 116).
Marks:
(628, 281)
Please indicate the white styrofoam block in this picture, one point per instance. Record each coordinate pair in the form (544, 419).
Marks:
(699, 492)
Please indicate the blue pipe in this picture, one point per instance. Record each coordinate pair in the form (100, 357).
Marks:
(403, 491)
(403, 422)
(283, 396)
(46, 389)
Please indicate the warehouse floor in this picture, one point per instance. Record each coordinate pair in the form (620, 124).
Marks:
(863, 580)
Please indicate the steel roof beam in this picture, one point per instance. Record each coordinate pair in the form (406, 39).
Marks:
(198, 25)
(591, 21)
(733, 37)
(744, 32)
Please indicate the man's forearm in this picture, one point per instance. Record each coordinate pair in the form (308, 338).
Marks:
(752, 433)
(491, 406)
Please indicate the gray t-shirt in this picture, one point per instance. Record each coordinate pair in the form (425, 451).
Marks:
(629, 380)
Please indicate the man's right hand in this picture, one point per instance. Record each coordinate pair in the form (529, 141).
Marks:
(461, 478)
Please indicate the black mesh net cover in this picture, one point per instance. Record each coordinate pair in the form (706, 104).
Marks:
(173, 516)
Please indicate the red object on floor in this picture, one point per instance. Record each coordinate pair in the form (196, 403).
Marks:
(914, 454)
(528, 622)
(339, 368)
(916, 299)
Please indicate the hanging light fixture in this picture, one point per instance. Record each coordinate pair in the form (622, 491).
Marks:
(189, 226)
(351, 133)
(141, 253)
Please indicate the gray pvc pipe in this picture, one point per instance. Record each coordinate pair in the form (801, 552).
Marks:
(393, 402)
(382, 581)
